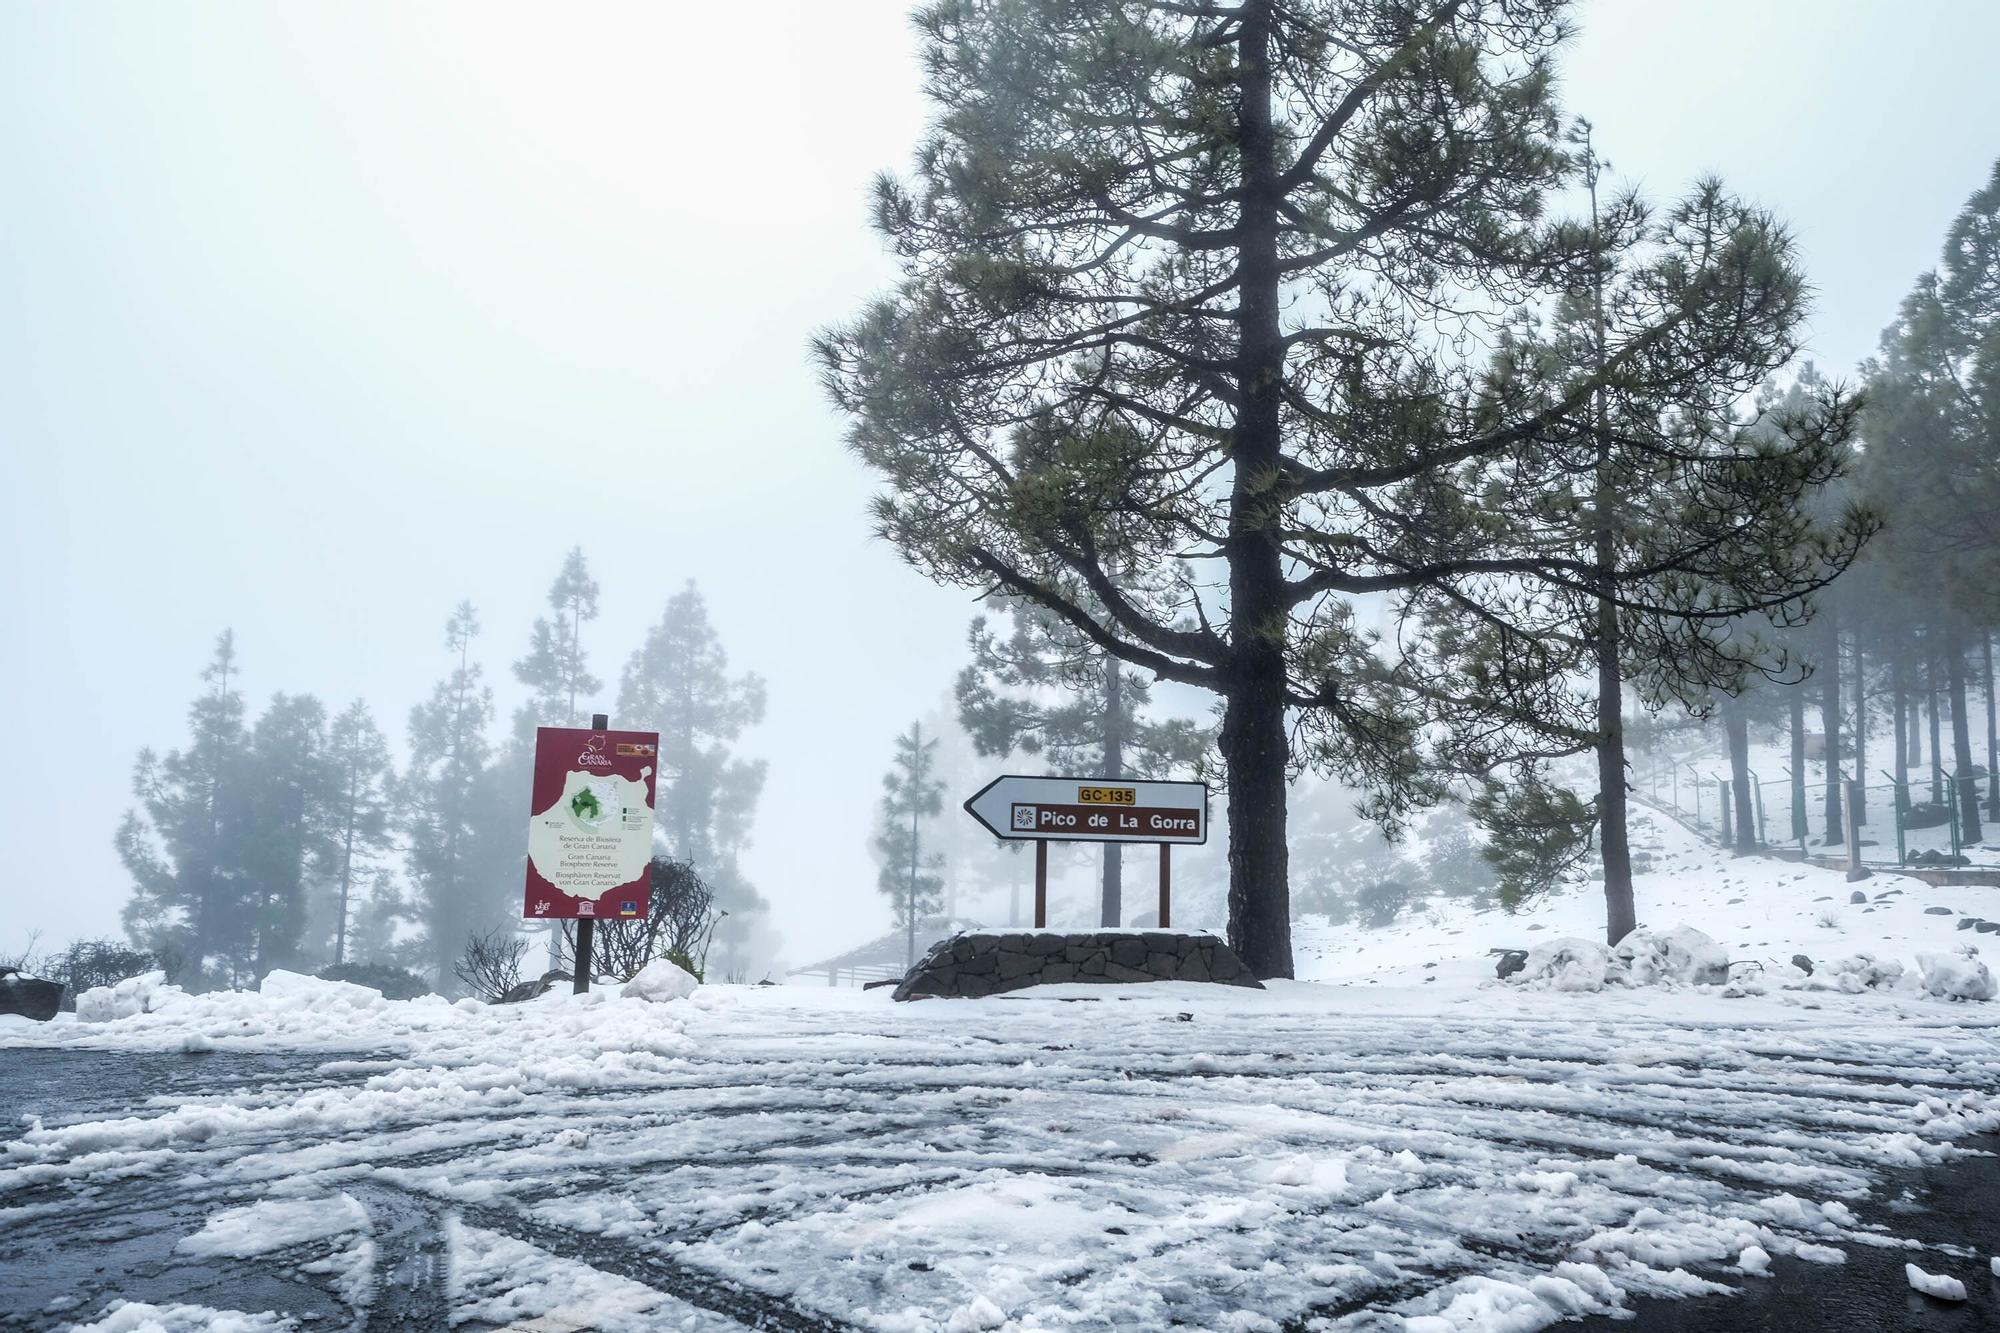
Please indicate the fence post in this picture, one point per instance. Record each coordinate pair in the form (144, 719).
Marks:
(1727, 819)
(1763, 829)
(1855, 870)
(1951, 800)
(1902, 789)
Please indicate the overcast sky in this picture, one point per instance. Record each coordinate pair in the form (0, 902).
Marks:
(316, 318)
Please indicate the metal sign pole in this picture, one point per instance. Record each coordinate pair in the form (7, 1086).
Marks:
(586, 926)
(1041, 885)
(1166, 885)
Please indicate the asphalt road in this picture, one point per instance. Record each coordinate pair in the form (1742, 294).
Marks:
(116, 1238)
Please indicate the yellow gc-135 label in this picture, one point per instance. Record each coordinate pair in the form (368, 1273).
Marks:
(1106, 795)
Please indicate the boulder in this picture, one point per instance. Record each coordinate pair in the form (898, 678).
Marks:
(539, 986)
(30, 997)
(1802, 963)
(1511, 961)
(1565, 964)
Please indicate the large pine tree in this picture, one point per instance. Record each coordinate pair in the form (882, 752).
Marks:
(1215, 282)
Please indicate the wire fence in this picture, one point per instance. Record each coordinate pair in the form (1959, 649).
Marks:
(1930, 818)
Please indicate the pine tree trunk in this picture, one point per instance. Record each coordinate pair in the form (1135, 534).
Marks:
(1860, 736)
(1829, 720)
(1961, 742)
(1798, 711)
(1736, 725)
(1254, 743)
(1112, 910)
(1937, 734)
(1900, 690)
(1992, 730)
(1614, 844)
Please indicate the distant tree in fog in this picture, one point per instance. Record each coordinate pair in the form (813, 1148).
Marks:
(439, 797)
(363, 777)
(911, 878)
(678, 683)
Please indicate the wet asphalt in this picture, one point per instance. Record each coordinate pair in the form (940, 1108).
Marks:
(116, 1239)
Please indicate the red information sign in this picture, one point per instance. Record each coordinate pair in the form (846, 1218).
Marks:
(590, 824)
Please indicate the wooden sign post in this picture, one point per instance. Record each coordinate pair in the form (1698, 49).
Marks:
(1043, 810)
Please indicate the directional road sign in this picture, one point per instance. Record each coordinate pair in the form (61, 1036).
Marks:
(1092, 810)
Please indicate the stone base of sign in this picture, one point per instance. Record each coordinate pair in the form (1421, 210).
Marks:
(973, 965)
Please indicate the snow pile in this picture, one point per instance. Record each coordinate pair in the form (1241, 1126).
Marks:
(1957, 976)
(1682, 956)
(311, 992)
(144, 994)
(1934, 1284)
(137, 1317)
(1856, 973)
(660, 981)
(1565, 964)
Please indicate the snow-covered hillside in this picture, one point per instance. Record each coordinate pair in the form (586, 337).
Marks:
(1757, 908)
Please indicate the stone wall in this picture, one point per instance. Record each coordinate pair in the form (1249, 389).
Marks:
(971, 965)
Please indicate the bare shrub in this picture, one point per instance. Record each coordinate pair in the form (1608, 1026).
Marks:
(679, 923)
(491, 963)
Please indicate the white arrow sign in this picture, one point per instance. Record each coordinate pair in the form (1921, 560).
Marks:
(1092, 810)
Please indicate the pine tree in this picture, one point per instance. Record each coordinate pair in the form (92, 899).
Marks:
(363, 780)
(440, 799)
(182, 846)
(555, 667)
(1933, 463)
(289, 851)
(678, 684)
(1649, 525)
(910, 876)
(1214, 282)
(1046, 690)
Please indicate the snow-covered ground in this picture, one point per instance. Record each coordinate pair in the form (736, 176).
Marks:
(1410, 1147)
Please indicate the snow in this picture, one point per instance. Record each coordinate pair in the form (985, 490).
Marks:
(1958, 975)
(1934, 1284)
(135, 995)
(1994, 1264)
(1457, 1154)
(135, 1317)
(660, 981)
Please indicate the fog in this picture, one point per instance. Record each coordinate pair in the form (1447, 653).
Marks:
(317, 319)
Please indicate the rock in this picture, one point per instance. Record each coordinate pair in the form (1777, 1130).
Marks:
(1857, 897)
(1011, 962)
(529, 990)
(1014, 965)
(1938, 911)
(30, 997)
(1988, 927)
(1967, 922)
(1511, 961)
(660, 981)
(1802, 963)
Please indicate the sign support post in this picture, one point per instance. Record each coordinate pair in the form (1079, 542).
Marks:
(1166, 885)
(1041, 886)
(586, 927)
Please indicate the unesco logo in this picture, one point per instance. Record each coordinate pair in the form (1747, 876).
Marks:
(1024, 816)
